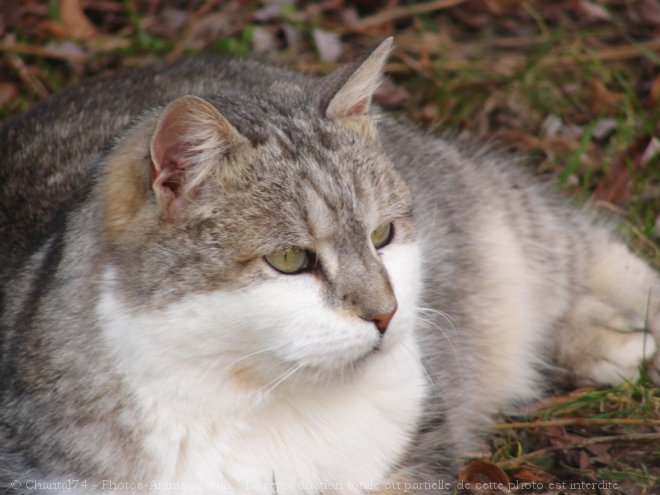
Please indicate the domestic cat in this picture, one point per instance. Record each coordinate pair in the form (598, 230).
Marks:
(219, 276)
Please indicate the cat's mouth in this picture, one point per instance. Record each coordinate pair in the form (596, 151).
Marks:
(356, 364)
(346, 369)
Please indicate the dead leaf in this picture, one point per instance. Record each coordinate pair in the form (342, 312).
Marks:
(76, 23)
(8, 91)
(483, 472)
(601, 99)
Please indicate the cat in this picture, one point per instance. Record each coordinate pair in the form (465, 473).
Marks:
(219, 276)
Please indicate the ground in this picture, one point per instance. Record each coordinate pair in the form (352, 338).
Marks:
(575, 85)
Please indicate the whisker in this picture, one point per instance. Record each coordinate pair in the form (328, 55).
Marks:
(442, 331)
(219, 359)
(407, 348)
(444, 315)
(286, 375)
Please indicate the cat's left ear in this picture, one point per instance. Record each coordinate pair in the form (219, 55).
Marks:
(347, 92)
(190, 141)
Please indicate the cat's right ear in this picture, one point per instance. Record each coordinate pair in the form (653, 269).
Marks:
(347, 92)
(190, 139)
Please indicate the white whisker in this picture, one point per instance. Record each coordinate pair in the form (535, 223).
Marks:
(417, 357)
(278, 381)
(219, 359)
(442, 331)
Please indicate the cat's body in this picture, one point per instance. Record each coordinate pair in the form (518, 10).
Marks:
(145, 340)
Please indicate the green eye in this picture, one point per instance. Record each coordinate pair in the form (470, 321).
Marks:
(382, 236)
(289, 261)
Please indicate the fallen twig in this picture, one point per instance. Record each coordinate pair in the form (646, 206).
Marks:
(42, 51)
(631, 437)
(578, 422)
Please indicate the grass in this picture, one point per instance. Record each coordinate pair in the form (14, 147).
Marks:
(575, 89)
(611, 434)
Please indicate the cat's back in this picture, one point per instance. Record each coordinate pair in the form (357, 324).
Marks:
(47, 155)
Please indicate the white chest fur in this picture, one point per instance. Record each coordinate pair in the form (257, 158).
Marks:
(344, 437)
(229, 403)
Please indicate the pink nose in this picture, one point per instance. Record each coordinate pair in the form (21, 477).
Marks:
(381, 317)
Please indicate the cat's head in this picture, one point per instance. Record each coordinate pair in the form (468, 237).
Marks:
(267, 225)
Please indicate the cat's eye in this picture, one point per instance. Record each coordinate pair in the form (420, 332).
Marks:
(382, 235)
(289, 261)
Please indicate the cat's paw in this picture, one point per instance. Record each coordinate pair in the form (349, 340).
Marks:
(621, 357)
(609, 344)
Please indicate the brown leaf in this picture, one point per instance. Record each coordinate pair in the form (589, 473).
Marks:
(601, 99)
(75, 21)
(483, 472)
(8, 91)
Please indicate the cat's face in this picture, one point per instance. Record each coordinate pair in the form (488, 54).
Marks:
(295, 250)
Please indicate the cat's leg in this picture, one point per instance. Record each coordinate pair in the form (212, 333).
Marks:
(613, 325)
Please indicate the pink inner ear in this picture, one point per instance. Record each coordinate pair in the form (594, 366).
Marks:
(359, 108)
(186, 125)
(168, 160)
(169, 177)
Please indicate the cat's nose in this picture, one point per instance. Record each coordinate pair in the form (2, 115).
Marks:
(381, 317)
